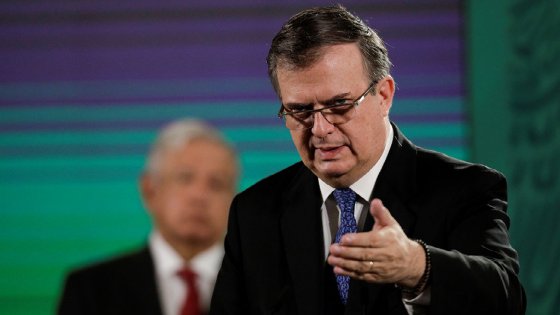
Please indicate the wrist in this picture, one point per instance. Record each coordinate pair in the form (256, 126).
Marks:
(418, 284)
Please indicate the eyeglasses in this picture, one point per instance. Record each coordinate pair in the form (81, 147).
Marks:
(334, 114)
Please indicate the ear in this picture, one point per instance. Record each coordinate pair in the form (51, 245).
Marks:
(146, 186)
(386, 90)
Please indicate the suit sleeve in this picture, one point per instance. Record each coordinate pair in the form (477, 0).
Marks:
(477, 272)
(230, 293)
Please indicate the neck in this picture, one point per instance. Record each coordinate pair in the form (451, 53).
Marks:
(345, 180)
(187, 249)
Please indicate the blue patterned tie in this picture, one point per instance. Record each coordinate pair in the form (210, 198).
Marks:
(345, 198)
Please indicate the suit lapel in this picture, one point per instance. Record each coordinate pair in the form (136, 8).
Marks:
(302, 234)
(144, 283)
(397, 207)
(396, 183)
(395, 186)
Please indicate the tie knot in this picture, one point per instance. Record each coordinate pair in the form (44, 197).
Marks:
(187, 275)
(345, 198)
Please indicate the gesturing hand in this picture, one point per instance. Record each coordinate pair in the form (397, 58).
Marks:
(383, 255)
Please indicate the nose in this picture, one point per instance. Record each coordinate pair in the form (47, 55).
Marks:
(199, 191)
(321, 126)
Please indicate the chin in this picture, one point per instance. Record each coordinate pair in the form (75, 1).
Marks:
(192, 238)
(333, 169)
(338, 177)
(193, 233)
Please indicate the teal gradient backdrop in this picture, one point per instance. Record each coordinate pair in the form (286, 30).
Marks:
(85, 85)
(514, 80)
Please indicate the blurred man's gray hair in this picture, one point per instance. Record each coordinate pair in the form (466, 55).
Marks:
(179, 133)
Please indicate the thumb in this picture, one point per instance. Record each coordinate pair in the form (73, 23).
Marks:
(381, 214)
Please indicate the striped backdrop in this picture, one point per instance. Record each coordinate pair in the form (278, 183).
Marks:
(84, 86)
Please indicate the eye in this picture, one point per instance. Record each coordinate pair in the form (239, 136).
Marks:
(341, 101)
(219, 184)
(341, 110)
(298, 108)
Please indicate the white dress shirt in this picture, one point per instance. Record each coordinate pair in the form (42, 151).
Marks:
(172, 289)
(330, 213)
(363, 187)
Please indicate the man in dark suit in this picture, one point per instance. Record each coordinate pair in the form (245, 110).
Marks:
(189, 182)
(302, 241)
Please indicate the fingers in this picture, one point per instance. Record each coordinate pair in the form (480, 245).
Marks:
(382, 218)
(346, 266)
(379, 265)
(378, 256)
(374, 238)
(353, 268)
(358, 253)
(368, 264)
(364, 239)
(372, 271)
(381, 215)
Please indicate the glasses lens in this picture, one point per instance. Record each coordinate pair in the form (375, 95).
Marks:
(335, 115)
(340, 114)
(298, 121)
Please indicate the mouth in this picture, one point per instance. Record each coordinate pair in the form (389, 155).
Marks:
(330, 148)
(328, 153)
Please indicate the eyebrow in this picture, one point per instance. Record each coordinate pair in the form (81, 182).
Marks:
(327, 102)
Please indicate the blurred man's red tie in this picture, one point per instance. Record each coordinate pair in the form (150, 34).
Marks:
(192, 301)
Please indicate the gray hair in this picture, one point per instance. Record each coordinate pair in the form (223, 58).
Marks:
(179, 133)
(302, 41)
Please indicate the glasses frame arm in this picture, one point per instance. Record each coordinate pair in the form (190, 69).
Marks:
(284, 111)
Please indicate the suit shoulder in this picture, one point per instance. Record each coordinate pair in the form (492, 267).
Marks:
(433, 163)
(117, 265)
(461, 188)
(275, 181)
(439, 172)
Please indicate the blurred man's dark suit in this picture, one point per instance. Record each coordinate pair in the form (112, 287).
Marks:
(125, 285)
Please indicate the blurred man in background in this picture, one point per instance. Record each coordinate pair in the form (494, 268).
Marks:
(189, 182)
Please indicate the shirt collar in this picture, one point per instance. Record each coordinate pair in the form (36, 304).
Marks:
(206, 263)
(364, 186)
(167, 261)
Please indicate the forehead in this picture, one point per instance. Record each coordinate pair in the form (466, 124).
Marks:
(200, 154)
(340, 67)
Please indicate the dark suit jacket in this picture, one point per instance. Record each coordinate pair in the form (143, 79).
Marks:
(125, 285)
(274, 257)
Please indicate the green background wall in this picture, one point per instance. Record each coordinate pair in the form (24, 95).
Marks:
(514, 84)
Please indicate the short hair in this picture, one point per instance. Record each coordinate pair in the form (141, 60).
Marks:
(179, 133)
(300, 42)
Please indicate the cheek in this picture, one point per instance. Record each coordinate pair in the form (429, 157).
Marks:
(219, 211)
(170, 205)
(301, 141)
(370, 141)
